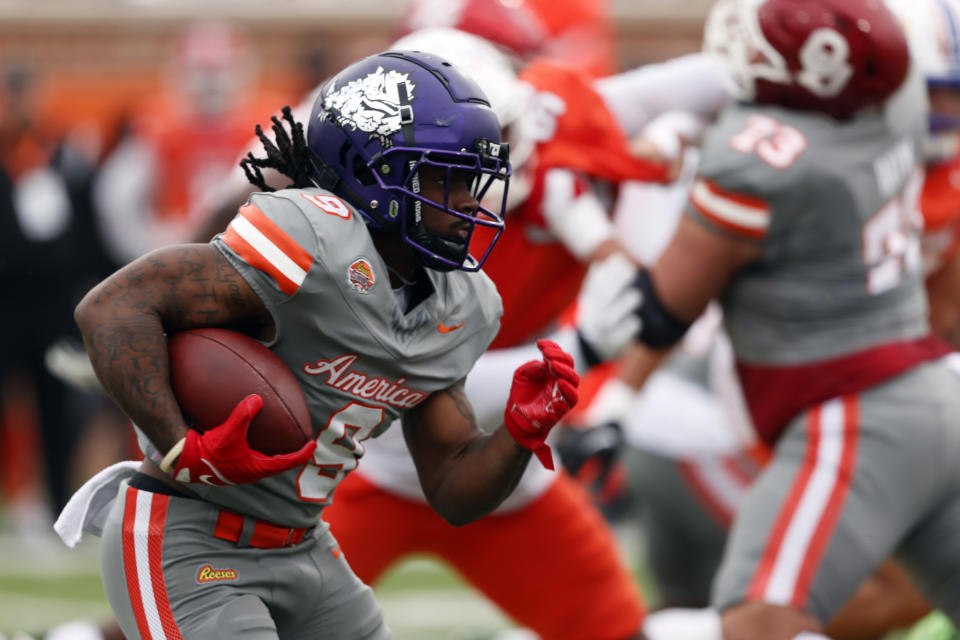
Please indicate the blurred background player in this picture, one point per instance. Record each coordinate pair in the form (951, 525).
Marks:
(50, 253)
(575, 143)
(687, 489)
(150, 190)
(799, 73)
(492, 554)
(680, 458)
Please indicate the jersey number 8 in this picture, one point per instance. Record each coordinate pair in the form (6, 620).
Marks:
(339, 448)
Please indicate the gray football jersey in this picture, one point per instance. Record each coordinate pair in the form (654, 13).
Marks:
(361, 361)
(834, 207)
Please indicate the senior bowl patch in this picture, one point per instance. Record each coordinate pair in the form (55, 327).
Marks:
(360, 276)
(208, 574)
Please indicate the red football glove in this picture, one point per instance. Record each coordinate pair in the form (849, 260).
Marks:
(221, 456)
(542, 393)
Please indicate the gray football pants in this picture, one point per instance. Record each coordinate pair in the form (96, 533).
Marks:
(852, 481)
(167, 577)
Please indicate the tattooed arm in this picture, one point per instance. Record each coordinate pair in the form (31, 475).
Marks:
(125, 317)
(465, 473)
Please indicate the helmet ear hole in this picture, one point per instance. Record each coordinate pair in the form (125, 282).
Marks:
(362, 172)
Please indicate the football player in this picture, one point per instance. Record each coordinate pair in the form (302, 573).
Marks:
(684, 446)
(359, 274)
(802, 221)
(711, 484)
(148, 192)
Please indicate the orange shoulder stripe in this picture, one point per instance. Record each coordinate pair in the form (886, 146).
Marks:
(739, 213)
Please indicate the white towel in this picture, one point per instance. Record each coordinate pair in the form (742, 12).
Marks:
(87, 509)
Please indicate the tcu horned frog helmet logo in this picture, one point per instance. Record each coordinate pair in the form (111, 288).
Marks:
(378, 103)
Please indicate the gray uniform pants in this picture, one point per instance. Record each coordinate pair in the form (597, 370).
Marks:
(168, 577)
(852, 481)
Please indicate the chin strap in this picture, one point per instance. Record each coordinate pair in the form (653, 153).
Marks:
(430, 245)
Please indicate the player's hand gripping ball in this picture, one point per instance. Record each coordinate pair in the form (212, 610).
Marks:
(247, 413)
(543, 391)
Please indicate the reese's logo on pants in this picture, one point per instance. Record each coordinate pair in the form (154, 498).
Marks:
(208, 574)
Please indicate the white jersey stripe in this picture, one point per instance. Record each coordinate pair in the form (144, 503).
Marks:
(266, 248)
(813, 503)
(141, 534)
(729, 210)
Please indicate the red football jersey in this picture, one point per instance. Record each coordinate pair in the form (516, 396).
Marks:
(536, 275)
(192, 150)
(940, 206)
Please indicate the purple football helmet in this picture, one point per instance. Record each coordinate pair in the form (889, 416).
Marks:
(378, 121)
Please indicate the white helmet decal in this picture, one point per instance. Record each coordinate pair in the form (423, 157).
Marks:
(732, 33)
(372, 103)
(479, 59)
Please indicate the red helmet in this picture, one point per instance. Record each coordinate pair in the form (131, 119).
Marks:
(831, 56)
(509, 24)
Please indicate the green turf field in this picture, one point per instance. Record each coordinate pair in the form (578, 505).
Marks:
(43, 583)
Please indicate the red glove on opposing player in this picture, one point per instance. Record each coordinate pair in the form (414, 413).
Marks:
(221, 456)
(542, 393)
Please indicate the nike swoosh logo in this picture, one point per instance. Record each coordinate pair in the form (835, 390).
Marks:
(442, 328)
(206, 478)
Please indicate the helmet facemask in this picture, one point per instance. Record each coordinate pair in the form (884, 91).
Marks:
(943, 136)
(482, 169)
(933, 33)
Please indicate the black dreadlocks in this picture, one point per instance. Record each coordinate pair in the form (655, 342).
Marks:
(290, 155)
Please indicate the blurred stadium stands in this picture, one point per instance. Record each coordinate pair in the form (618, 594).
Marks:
(98, 56)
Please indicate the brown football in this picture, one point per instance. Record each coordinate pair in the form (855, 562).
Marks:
(212, 370)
